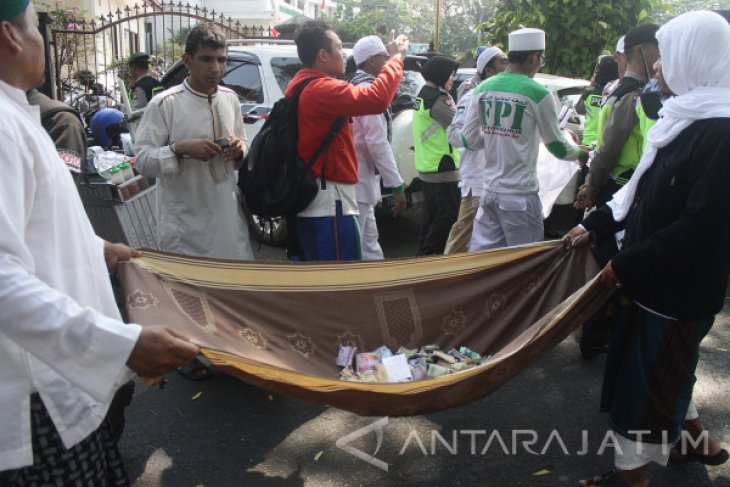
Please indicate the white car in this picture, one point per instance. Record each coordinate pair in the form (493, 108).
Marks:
(259, 72)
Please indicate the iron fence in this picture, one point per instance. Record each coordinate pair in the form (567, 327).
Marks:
(88, 55)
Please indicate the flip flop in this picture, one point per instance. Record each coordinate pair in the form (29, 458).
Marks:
(598, 479)
(196, 370)
(690, 457)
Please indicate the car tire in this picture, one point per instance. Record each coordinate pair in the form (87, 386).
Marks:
(271, 231)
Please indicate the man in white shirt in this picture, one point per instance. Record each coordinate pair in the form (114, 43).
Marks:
(191, 138)
(508, 115)
(371, 135)
(491, 61)
(63, 347)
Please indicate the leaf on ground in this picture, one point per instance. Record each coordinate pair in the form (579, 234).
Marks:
(540, 473)
(196, 396)
(318, 455)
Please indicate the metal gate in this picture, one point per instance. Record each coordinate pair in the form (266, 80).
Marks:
(90, 54)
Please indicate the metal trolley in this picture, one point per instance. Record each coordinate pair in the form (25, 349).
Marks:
(118, 215)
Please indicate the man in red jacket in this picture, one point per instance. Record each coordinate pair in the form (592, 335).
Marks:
(327, 229)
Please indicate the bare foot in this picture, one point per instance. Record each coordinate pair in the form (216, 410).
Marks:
(635, 478)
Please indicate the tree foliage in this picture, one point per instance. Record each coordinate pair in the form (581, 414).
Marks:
(416, 18)
(668, 9)
(577, 31)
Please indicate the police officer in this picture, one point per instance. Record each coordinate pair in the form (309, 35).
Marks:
(591, 101)
(621, 122)
(623, 126)
(145, 85)
(63, 124)
(437, 161)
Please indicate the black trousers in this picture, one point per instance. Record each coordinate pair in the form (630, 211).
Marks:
(441, 210)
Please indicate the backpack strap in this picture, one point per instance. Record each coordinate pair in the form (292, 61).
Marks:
(334, 128)
(328, 138)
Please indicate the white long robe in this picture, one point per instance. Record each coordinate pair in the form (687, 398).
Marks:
(60, 331)
(375, 160)
(198, 205)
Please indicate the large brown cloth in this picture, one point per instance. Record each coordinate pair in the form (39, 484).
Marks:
(279, 325)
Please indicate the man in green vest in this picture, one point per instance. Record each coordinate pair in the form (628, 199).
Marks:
(620, 139)
(508, 115)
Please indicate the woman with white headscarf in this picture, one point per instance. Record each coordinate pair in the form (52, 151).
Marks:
(674, 264)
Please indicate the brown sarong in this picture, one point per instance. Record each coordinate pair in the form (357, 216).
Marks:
(279, 326)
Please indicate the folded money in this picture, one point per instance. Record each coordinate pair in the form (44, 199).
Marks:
(444, 356)
(469, 353)
(346, 355)
(349, 375)
(409, 353)
(383, 352)
(437, 371)
(366, 361)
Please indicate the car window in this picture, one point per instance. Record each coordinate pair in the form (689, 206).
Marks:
(244, 78)
(175, 76)
(284, 69)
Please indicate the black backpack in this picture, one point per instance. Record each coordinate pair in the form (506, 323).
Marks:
(274, 180)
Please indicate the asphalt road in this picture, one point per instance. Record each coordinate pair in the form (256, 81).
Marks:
(223, 432)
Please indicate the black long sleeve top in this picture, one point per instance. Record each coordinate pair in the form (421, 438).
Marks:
(675, 258)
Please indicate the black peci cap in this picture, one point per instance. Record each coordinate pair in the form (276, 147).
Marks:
(641, 34)
(140, 59)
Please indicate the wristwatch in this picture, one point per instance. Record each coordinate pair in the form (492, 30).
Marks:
(172, 148)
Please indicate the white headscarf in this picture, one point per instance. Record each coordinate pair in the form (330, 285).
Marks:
(695, 53)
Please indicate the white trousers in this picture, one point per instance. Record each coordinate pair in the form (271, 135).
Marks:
(504, 220)
(369, 232)
(630, 455)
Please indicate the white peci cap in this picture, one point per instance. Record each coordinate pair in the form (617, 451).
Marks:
(527, 40)
(368, 47)
(487, 55)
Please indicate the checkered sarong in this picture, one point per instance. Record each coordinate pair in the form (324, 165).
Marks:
(93, 462)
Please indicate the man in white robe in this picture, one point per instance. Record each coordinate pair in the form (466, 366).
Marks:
(63, 346)
(375, 160)
(198, 205)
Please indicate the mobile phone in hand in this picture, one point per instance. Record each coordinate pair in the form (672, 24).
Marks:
(222, 143)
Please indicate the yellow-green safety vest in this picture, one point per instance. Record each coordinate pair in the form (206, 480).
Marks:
(430, 141)
(634, 146)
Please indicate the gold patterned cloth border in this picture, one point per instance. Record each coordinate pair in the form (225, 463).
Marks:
(279, 325)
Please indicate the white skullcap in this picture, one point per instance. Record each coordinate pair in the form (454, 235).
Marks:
(620, 45)
(487, 55)
(368, 47)
(527, 40)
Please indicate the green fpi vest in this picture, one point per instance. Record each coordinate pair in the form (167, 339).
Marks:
(592, 105)
(634, 147)
(429, 138)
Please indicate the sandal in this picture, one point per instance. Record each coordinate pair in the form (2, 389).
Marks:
(690, 457)
(196, 370)
(598, 479)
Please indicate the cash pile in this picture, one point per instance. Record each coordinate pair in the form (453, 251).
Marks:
(382, 365)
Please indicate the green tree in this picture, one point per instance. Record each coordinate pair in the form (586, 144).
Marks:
(460, 24)
(668, 9)
(577, 31)
(460, 20)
